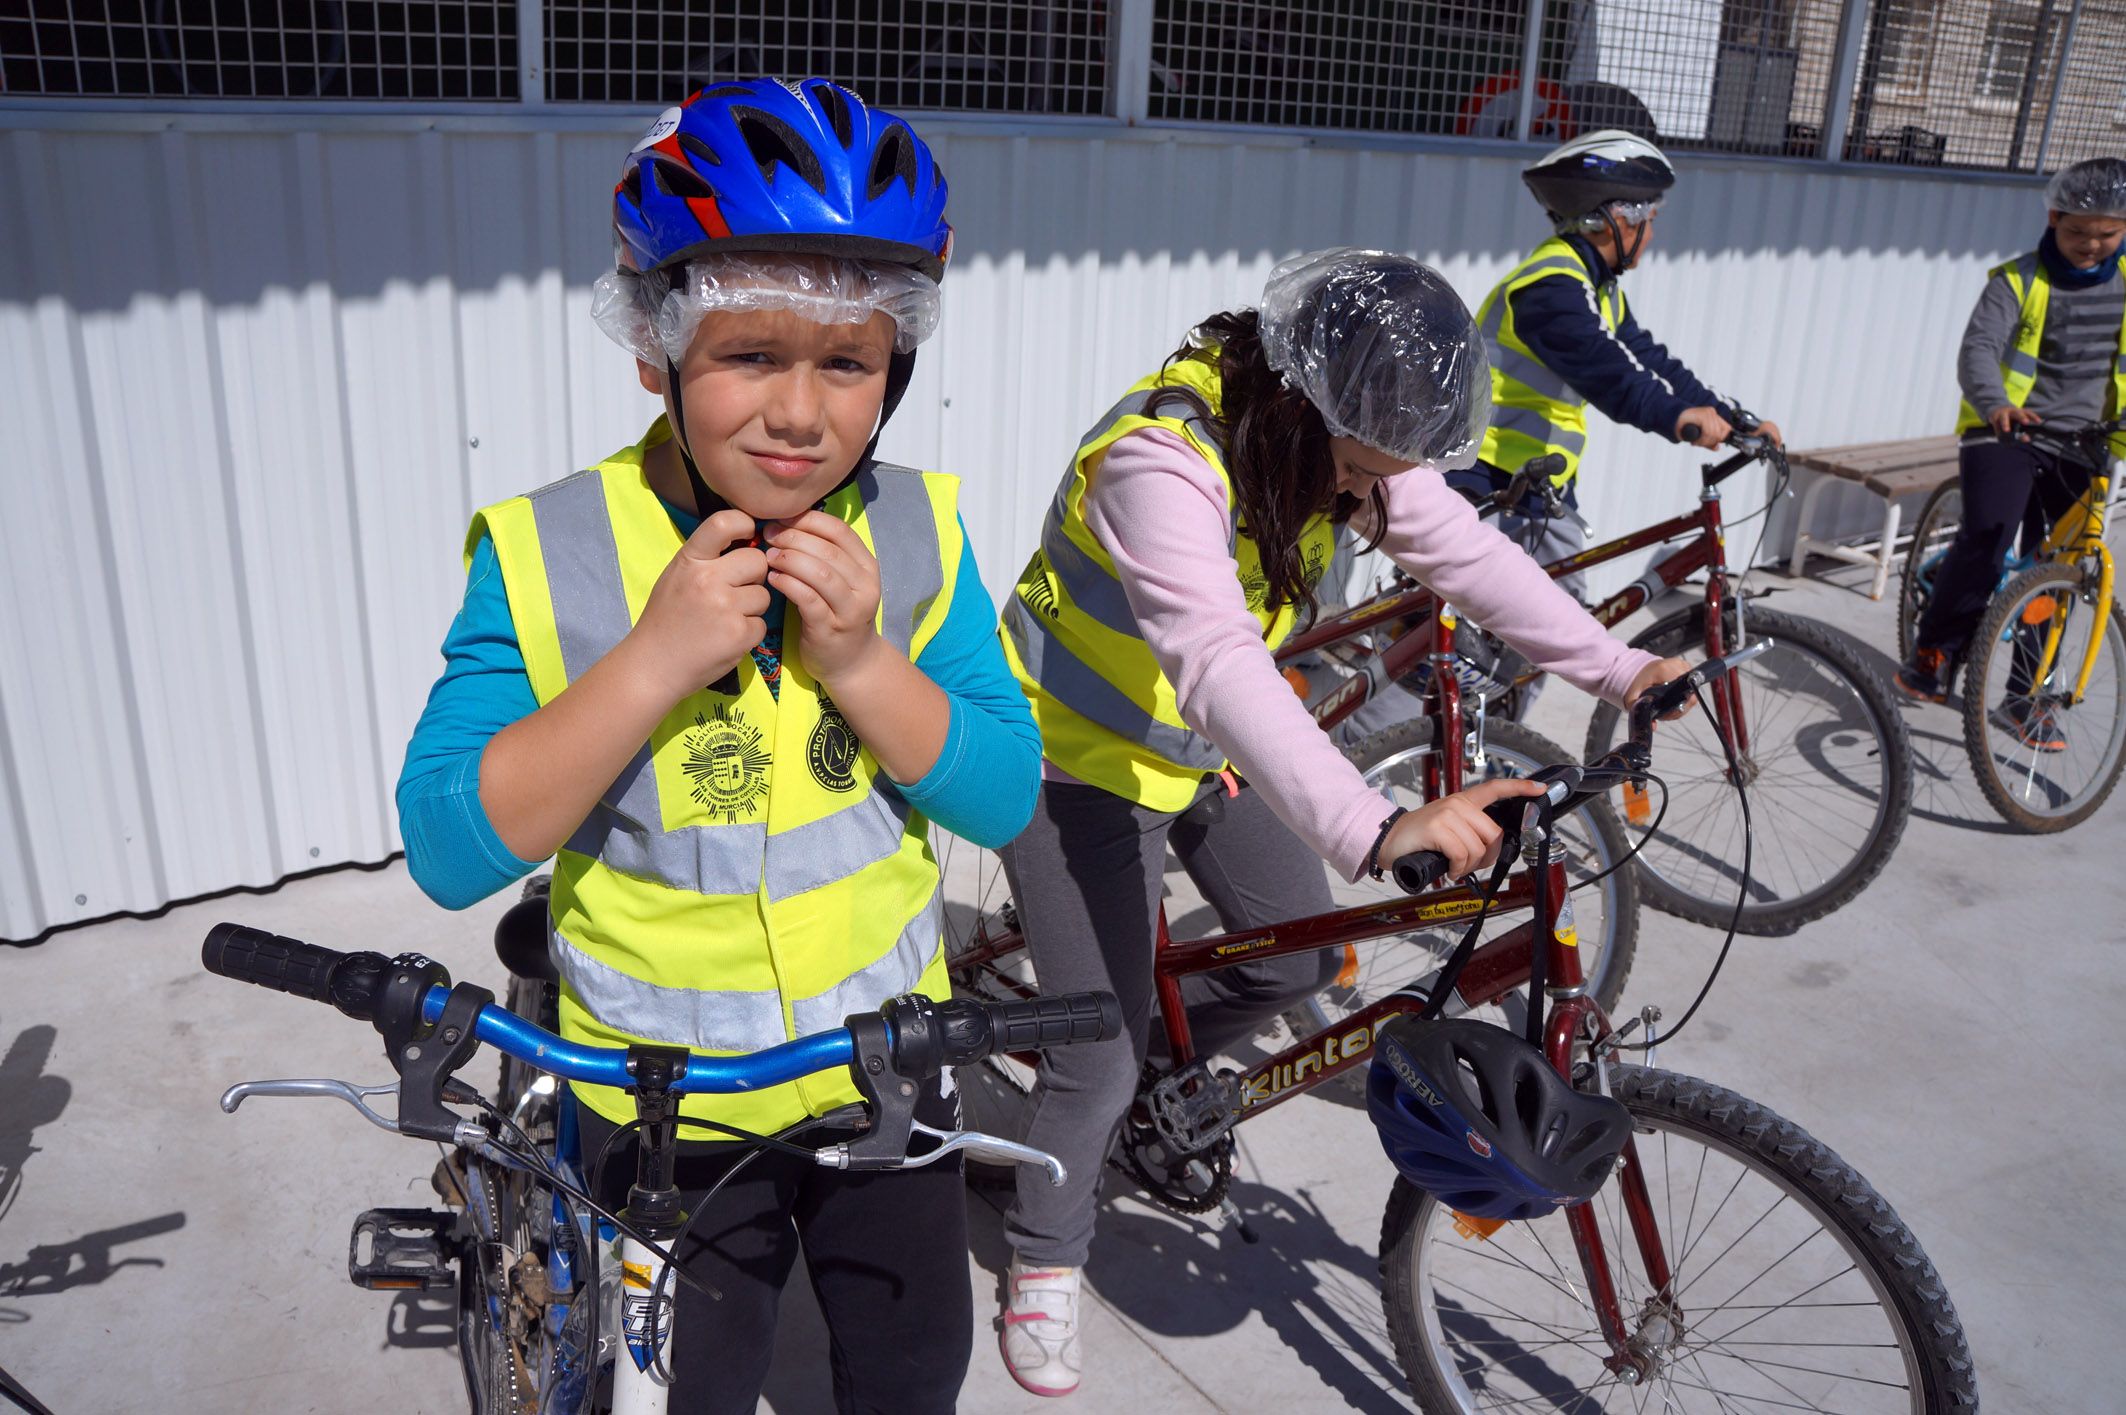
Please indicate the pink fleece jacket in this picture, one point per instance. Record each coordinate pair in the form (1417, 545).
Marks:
(1160, 512)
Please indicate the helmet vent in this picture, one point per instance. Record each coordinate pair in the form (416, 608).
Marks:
(894, 161)
(726, 91)
(631, 184)
(772, 142)
(836, 107)
(699, 150)
(676, 179)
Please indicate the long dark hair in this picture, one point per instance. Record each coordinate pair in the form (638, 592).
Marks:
(1276, 451)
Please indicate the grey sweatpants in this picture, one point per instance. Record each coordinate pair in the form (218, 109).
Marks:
(1086, 875)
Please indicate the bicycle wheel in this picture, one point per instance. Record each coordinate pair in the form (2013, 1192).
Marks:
(1828, 770)
(1607, 913)
(1794, 1286)
(1932, 533)
(2045, 764)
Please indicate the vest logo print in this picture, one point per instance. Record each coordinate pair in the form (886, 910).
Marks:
(1038, 590)
(726, 762)
(832, 751)
(1317, 563)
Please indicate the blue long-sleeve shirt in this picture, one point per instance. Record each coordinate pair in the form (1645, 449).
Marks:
(1630, 377)
(982, 787)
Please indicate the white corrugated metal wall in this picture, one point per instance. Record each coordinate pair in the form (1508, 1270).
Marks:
(255, 374)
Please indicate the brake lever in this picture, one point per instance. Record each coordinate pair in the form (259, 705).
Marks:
(356, 1096)
(951, 1142)
(468, 1132)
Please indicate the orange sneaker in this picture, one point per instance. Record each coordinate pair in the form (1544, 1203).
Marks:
(1926, 677)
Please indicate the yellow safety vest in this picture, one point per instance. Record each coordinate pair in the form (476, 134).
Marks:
(1107, 713)
(749, 878)
(2033, 290)
(1534, 411)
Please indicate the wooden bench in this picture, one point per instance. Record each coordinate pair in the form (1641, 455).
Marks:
(1892, 471)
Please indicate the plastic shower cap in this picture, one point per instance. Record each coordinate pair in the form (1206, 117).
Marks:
(655, 318)
(2093, 188)
(1384, 349)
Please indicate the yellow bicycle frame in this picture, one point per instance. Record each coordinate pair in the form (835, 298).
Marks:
(2077, 537)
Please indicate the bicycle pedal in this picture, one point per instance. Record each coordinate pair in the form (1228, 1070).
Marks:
(1191, 1108)
(407, 1249)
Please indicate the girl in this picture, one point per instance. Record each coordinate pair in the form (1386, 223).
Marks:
(732, 748)
(1195, 520)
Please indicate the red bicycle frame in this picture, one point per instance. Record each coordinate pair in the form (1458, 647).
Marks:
(1495, 969)
(1419, 626)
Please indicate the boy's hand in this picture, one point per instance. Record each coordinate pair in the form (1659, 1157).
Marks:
(1456, 826)
(2008, 419)
(707, 610)
(822, 564)
(1713, 430)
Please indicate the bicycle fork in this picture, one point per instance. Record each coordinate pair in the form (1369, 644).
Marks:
(1635, 1349)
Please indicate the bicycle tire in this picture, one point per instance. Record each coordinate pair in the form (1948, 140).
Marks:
(1932, 533)
(1611, 943)
(534, 1001)
(1830, 663)
(1935, 1356)
(1983, 740)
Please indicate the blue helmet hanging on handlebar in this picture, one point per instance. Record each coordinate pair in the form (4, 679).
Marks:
(1475, 1116)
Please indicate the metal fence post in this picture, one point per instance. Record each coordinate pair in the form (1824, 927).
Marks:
(2040, 41)
(531, 53)
(1531, 59)
(1129, 59)
(2059, 81)
(1845, 71)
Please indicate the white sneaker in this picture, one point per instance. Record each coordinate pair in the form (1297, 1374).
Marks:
(1040, 1332)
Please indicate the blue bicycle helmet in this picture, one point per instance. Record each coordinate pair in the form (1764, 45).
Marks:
(1475, 1116)
(800, 167)
(769, 165)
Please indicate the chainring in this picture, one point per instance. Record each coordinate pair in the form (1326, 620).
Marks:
(1140, 1153)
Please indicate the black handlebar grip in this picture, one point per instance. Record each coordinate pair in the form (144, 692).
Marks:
(1690, 432)
(284, 964)
(1417, 870)
(973, 1030)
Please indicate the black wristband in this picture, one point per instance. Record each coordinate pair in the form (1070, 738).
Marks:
(1373, 856)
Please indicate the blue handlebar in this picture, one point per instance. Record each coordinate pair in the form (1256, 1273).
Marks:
(607, 1066)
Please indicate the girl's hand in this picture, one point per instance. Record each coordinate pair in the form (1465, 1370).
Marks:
(821, 563)
(1668, 670)
(1456, 826)
(707, 610)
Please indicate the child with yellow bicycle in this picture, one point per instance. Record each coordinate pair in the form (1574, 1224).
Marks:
(2043, 359)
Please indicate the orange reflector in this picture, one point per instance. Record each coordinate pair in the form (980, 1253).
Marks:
(1476, 1229)
(2037, 611)
(1347, 976)
(1298, 680)
(1638, 804)
(393, 1284)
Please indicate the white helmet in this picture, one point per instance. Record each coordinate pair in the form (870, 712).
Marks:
(1579, 179)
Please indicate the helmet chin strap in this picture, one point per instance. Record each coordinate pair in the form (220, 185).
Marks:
(1626, 259)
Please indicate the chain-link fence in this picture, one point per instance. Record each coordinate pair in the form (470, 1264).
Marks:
(1009, 56)
(260, 49)
(2018, 85)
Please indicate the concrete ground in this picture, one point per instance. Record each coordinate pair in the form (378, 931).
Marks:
(1946, 1033)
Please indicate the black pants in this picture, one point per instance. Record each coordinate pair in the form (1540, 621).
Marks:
(887, 1254)
(2007, 487)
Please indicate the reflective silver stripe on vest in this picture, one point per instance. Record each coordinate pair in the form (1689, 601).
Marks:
(1530, 423)
(897, 972)
(2016, 361)
(834, 847)
(582, 569)
(1090, 586)
(1079, 687)
(727, 1020)
(898, 507)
